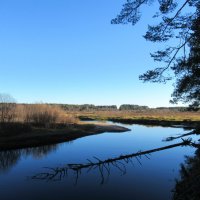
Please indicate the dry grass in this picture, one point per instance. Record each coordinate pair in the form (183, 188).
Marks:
(43, 114)
(151, 114)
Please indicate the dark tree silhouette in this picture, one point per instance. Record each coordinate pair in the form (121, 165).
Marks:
(180, 21)
(187, 187)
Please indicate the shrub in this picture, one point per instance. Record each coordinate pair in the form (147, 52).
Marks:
(7, 108)
(42, 114)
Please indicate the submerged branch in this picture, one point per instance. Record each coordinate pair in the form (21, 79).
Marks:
(193, 132)
(104, 165)
(177, 137)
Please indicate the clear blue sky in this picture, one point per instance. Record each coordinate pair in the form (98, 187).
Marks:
(66, 51)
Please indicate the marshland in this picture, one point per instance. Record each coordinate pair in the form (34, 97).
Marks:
(82, 147)
(28, 125)
(100, 100)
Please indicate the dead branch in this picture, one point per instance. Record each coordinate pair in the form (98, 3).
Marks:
(103, 166)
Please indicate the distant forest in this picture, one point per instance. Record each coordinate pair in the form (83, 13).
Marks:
(123, 107)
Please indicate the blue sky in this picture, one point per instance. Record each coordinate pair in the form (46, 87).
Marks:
(66, 51)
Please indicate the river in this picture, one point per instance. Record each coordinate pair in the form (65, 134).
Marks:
(150, 177)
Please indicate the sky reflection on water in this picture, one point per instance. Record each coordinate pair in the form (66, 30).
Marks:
(154, 179)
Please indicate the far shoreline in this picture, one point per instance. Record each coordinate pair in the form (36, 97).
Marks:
(188, 124)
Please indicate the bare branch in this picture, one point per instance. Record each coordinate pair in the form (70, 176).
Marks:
(58, 173)
(176, 14)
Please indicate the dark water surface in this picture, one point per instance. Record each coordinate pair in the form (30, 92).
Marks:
(153, 179)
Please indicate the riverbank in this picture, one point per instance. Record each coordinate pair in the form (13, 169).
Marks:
(150, 118)
(46, 136)
(22, 135)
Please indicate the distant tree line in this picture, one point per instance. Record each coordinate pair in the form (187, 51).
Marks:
(173, 108)
(9, 109)
(87, 107)
(132, 107)
(123, 107)
(91, 107)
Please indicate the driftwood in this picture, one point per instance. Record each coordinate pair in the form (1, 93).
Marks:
(104, 165)
(194, 132)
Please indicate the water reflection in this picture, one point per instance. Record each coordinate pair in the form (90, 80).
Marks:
(9, 159)
(39, 152)
(104, 166)
(188, 186)
(171, 138)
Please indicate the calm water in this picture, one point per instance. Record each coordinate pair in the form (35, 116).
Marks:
(152, 179)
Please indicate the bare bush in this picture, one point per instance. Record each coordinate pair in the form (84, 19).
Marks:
(7, 108)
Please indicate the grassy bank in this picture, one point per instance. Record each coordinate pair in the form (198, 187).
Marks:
(44, 136)
(30, 125)
(145, 117)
